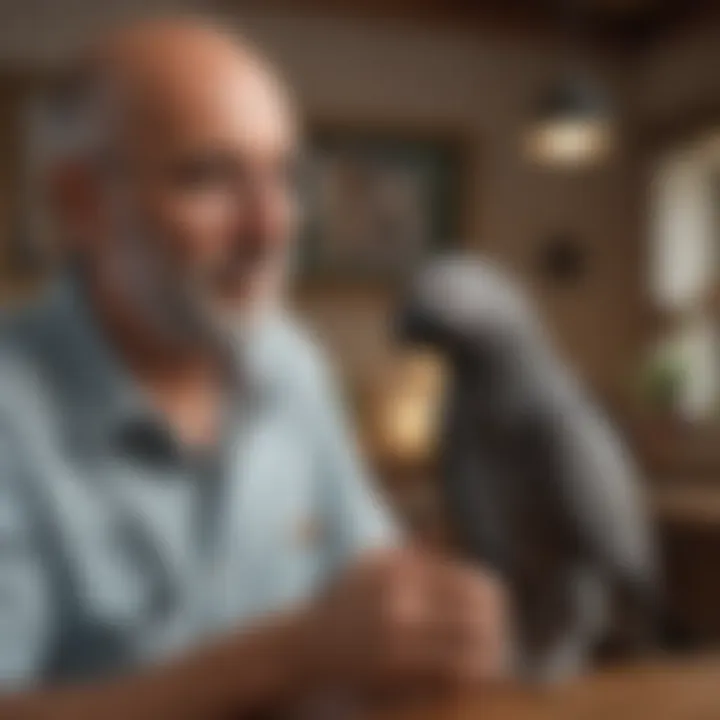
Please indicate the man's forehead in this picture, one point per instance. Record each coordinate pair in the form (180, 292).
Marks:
(180, 81)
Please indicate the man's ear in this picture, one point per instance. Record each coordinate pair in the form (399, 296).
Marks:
(76, 205)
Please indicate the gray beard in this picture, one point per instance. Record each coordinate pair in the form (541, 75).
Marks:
(182, 313)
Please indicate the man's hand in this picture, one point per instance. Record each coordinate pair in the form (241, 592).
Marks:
(402, 616)
(393, 618)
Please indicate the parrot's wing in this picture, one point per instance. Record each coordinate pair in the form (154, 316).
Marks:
(593, 478)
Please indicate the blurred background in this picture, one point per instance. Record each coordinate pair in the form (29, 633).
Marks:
(575, 142)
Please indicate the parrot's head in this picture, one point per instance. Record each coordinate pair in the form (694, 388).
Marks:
(466, 309)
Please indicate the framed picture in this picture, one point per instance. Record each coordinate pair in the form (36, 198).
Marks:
(380, 201)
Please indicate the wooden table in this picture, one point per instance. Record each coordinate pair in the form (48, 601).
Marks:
(687, 691)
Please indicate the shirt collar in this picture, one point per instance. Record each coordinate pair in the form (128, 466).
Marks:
(101, 388)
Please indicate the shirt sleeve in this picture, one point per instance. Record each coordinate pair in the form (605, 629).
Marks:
(358, 517)
(24, 594)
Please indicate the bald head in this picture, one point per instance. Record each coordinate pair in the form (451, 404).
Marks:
(157, 73)
(188, 216)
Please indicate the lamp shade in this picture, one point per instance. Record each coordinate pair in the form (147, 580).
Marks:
(571, 126)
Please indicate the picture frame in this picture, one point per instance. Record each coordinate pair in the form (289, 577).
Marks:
(381, 199)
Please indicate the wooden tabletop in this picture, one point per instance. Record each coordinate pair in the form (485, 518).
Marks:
(687, 691)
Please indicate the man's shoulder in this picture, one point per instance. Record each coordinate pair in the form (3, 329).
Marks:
(301, 356)
(27, 336)
(22, 321)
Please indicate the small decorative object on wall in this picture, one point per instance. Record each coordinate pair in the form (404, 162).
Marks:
(563, 260)
(380, 201)
(663, 379)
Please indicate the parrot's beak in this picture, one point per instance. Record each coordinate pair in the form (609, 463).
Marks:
(415, 328)
(422, 332)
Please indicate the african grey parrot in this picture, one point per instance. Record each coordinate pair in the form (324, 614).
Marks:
(534, 480)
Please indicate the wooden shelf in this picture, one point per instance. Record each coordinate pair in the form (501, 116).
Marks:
(688, 503)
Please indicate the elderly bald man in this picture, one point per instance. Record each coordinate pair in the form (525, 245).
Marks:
(185, 530)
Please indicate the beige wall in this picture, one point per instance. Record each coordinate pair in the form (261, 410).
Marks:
(680, 77)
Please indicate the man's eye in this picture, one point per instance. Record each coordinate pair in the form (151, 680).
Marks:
(204, 173)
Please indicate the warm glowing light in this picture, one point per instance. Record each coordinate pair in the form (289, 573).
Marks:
(569, 142)
(411, 407)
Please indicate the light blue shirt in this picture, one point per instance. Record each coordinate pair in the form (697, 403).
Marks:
(117, 546)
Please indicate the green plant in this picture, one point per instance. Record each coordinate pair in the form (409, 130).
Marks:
(662, 381)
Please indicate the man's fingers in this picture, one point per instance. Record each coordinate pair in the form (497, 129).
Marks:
(468, 628)
(410, 616)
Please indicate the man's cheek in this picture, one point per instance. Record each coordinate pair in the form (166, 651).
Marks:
(197, 249)
(200, 220)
